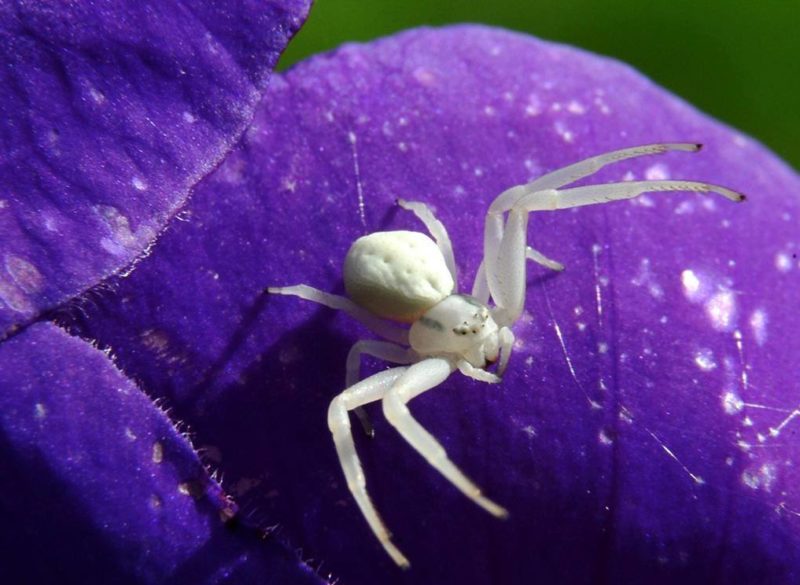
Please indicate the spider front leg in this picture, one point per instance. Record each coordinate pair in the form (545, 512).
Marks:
(506, 272)
(417, 379)
(494, 229)
(369, 390)
(383, 350)
(506, 345)
(493, 233)
(480, 288)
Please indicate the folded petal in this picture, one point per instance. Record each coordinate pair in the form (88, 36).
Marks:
(99, 486)
(110, 111)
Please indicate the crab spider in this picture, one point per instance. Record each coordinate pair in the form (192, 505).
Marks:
(406, 277)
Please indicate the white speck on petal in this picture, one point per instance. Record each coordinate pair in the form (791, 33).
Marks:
(691, 285)
(138, 184)
(532, 167)
(24, 274)
(704, 358)
(121, 239)
(721, 310)
(731, 402)
(566, 134)
(189, 118)
(424, 76)
(158, 452)
(783, 262)
(575, 107)
(40, 410)
(534, 106)
(602, 106)
(750, 480)
(97, 96)
(758, 323)
(643, 201)
(761, 479)
(289, 185)
(657, 172)
(709, 204)
(604, 438)
(655, 291)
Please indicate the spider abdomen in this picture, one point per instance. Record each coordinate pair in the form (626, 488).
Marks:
(396, 275)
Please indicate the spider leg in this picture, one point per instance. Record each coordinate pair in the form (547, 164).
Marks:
(578, 196)
(437, 230)
(383, 350)
(478, 374)
(369, 390)
(480, 288)
(417, 379)
(340, 303)
(506, 345)
(582, 169)
(506, 271)
(494, 229)
(542, 260)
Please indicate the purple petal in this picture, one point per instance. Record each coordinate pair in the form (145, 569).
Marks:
(644, 430)
(99, 486)
(111, 111)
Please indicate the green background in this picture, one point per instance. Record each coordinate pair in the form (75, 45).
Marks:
(739, 61)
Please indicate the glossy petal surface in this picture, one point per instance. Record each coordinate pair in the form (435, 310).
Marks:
(644, 430)
(110, 112)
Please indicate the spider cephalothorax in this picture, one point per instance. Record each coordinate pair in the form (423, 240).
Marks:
(406, 277)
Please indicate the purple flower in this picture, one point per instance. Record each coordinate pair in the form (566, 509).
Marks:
(643, 432)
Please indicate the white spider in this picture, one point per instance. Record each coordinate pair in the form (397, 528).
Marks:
(405, 277)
